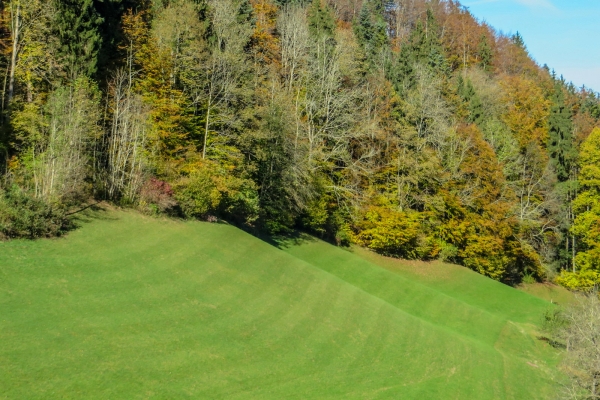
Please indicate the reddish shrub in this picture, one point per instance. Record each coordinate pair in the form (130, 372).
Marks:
(157, 194)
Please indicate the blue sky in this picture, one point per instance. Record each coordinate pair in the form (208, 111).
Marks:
(565, 34)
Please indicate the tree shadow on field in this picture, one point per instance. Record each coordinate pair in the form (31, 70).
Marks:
(91, 212)
(287, 240)
(554, 343)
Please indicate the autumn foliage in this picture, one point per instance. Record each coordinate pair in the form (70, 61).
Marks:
(410, 128)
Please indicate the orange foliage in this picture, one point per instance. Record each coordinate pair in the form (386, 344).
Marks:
(264, 43)
(528, 110)
(477, 217)
(511, 59)
(462, 36)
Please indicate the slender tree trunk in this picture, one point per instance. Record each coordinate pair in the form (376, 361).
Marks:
(15, 48)
(4, 86)
(573, 249)
(207, 125)
(29, 92)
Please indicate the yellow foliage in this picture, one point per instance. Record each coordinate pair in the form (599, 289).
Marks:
(394, 233)
(584, 280)
(528, 110)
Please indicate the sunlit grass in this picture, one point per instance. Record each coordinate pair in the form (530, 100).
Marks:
(134, 307)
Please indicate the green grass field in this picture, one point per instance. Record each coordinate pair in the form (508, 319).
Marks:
(133, 307)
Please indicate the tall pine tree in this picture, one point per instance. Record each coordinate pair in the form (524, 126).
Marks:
(78, 29)
(424, 48)
(560, 142)
(485, 54)
(371, 29)
(320, 19)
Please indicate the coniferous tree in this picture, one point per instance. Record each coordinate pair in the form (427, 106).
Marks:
(320, 19)
(78, 28)
(560, 141)
(424, 48)
(472, 100)
(371, 30)
(518, 40)
(485, 53)
(111, 12)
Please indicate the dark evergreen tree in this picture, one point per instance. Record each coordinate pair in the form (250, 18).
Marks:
(563, 154)
(591, 105)
(78, 24)
(423, 48)
(474, 106)
(320, 19)
(111, 12)
(371, 29)
(518, 40)
(245, 12)
(560, 141)
(485, 54)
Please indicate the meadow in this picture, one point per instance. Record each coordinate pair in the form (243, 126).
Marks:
(130, 307)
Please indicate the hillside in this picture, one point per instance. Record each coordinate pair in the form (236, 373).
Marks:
(135, 307)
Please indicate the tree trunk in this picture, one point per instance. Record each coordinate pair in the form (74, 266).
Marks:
(573, 249)
(15, 49)
(206, 126)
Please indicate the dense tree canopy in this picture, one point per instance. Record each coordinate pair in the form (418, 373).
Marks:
(408, 127)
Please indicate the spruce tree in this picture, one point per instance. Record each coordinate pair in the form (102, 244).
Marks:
(111, 12)
(371, 30)
(245, 12)
(78, 29)
(320, 19)
(485, 54)
(423, 48)
(518, 40)
(470, 97)
(560, 141)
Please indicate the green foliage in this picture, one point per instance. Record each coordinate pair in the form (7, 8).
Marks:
(371, 30)
(320, 19)
(485, 53)
(584, 280)
(57, 138)
(529, 279)
(474, 104)
(281, 197)
(324, 217)
(518, 40)
(78, 24)
(586, 206)
(561, 146)
(24, 216)
(423, 48)
(207, 190)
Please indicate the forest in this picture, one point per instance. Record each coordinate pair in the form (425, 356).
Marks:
(405, 126)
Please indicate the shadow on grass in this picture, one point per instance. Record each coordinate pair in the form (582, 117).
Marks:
(553, 343)
(284, 241)
(90, 213)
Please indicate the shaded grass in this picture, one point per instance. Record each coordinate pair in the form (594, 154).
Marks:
(134, 307)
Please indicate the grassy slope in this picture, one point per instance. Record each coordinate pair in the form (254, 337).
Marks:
(453, 297)
(550, 292)
(132, 307)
